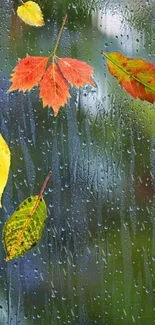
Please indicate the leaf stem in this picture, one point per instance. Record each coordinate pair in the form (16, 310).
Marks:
(58, 38)
(44, 184)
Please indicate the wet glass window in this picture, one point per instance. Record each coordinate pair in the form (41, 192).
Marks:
(94, 261)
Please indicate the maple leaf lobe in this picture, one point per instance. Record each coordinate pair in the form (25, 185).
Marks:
(54, 90)
(28, 73)
(76, 72)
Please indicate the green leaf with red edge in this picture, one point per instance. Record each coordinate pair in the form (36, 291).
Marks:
(28, 73)
(136, 76)
(24, 228)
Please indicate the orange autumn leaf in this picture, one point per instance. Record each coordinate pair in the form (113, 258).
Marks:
(77, 73)
(136, 76)
(54, 89)
(53, 81)
(28, 73)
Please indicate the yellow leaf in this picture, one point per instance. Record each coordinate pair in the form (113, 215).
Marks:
(31, 14)
(4, 165)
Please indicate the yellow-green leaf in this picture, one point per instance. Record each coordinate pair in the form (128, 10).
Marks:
(4, 165)
(31, 14)
(24, 228)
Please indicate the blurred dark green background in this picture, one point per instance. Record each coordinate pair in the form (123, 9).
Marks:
(96, 261)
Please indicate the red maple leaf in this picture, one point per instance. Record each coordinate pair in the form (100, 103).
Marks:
(53, 78)
(53, 81)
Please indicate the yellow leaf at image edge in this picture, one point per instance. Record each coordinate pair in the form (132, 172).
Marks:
(4, 165)
(31, 14)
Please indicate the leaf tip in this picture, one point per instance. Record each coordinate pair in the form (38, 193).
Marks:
(9, 90)
(55, 113)
(93, 83)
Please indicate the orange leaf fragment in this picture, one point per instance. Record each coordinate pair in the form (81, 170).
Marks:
(76, 72)
(28, 73)
(54, 89)
(136, 76)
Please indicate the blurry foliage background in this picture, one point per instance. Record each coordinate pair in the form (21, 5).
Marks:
(96, 261)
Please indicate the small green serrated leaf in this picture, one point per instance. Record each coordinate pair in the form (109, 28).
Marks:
(24, 228)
